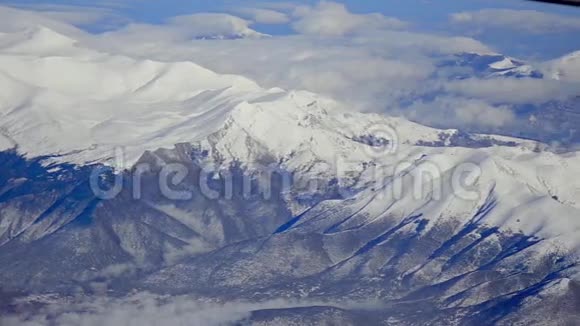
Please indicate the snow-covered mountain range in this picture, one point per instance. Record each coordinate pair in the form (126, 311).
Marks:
(491, 65)
(394, 217)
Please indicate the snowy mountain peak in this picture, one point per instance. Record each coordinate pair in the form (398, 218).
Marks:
(505, 63)
(37, 40)
(491, 65)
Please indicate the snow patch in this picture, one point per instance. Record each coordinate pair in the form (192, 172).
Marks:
(506, 63)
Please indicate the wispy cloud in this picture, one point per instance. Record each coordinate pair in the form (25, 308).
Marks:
(149, 309)
(368, 72)
(513, 90)
(464, 112)
(104, 17)
(263, 16)
(523, 20)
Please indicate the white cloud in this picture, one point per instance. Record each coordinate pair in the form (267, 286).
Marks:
(461, 112)
(566, 68)
(213, 24)
(368, 74)
(104, 17)
(513, 90)
(284, 6)
(369, 71)
(264, 16)
(183, 28)
(79, 18)
(13, 19)
(524, 20)
(333, 19)
(411, 43)
(139, 309)
(149, 309)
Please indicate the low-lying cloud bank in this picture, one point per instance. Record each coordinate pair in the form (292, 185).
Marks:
(147, 309)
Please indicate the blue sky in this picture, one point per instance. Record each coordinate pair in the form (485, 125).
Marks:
(424, 15)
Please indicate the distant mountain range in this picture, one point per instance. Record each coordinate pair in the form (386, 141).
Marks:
(491, 65)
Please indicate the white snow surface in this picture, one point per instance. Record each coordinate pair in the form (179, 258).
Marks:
(58, 97)
(506, 63)
(524, 70)
(82, 104)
